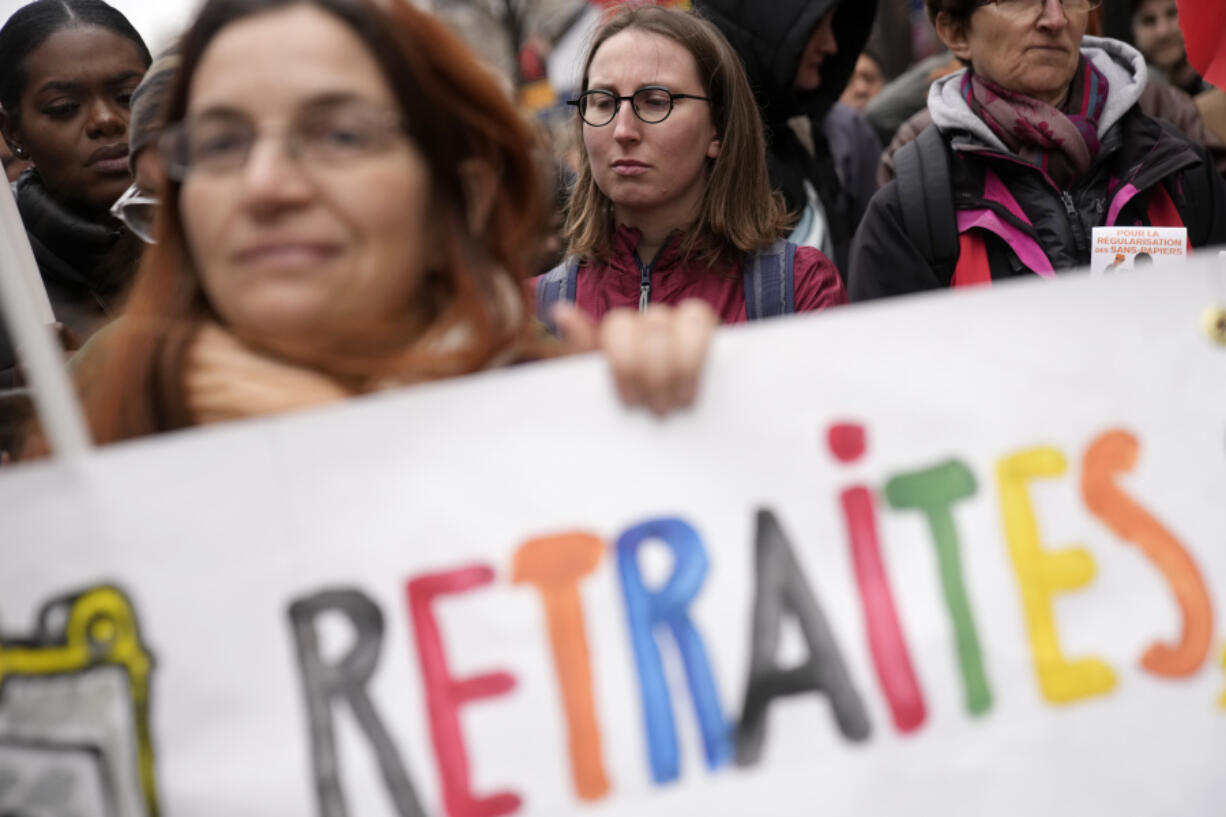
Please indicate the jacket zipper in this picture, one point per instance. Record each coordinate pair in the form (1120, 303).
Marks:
(1079, 233)
(644, 284)
(645, 271)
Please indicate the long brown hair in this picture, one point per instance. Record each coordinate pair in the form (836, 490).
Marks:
(455, 112)
(738, 212)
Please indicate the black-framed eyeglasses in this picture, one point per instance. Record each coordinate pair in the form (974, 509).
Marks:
(319, 137)
(651, 104)
(1021, 8)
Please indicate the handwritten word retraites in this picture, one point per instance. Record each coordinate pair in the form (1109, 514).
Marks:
(556, 565)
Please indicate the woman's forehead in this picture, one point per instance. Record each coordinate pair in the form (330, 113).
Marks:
(279, 60)
(635, 57)
(82, 55)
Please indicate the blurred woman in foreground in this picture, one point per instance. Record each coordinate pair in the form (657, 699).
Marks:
(351, 205)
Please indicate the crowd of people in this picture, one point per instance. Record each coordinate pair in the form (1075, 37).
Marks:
(303, 200)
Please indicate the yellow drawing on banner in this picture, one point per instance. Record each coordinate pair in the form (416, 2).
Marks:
(74, 701)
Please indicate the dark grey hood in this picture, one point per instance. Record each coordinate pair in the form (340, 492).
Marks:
(771, 35)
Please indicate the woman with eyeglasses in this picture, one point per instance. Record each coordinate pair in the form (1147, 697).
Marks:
(351, 204)
(1038, 141)
(673, 199)
(67, 72)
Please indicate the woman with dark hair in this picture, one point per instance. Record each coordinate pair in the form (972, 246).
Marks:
(1037, 141)
(1157, 35)
(867, 80)
(351, 204)
(13, 166)
(673, 198)
(67, 72)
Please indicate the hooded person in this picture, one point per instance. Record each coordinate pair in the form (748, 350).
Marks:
(800, 55)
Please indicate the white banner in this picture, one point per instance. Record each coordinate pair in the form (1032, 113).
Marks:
(953, 554)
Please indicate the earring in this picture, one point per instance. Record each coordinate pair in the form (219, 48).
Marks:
(19, 152)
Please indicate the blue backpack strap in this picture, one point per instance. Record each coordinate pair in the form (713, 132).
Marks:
(770, 285)
(557, 285)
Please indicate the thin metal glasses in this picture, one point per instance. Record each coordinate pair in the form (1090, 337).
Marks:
(651, 104)
(1022, 8)
(220, 143)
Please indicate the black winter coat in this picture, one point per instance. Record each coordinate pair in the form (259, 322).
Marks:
(85, 266)
(1137, 150)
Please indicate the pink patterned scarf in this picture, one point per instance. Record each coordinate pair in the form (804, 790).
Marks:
(1062, 142)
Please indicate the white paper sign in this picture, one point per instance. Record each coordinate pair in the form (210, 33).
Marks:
(1125, 249)
(962, 554)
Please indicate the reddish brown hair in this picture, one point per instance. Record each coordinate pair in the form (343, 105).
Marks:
(454, 111)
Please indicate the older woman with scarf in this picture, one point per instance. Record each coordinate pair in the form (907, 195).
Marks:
(1041, 140)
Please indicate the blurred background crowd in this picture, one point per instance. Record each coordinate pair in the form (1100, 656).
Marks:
(449, 207)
